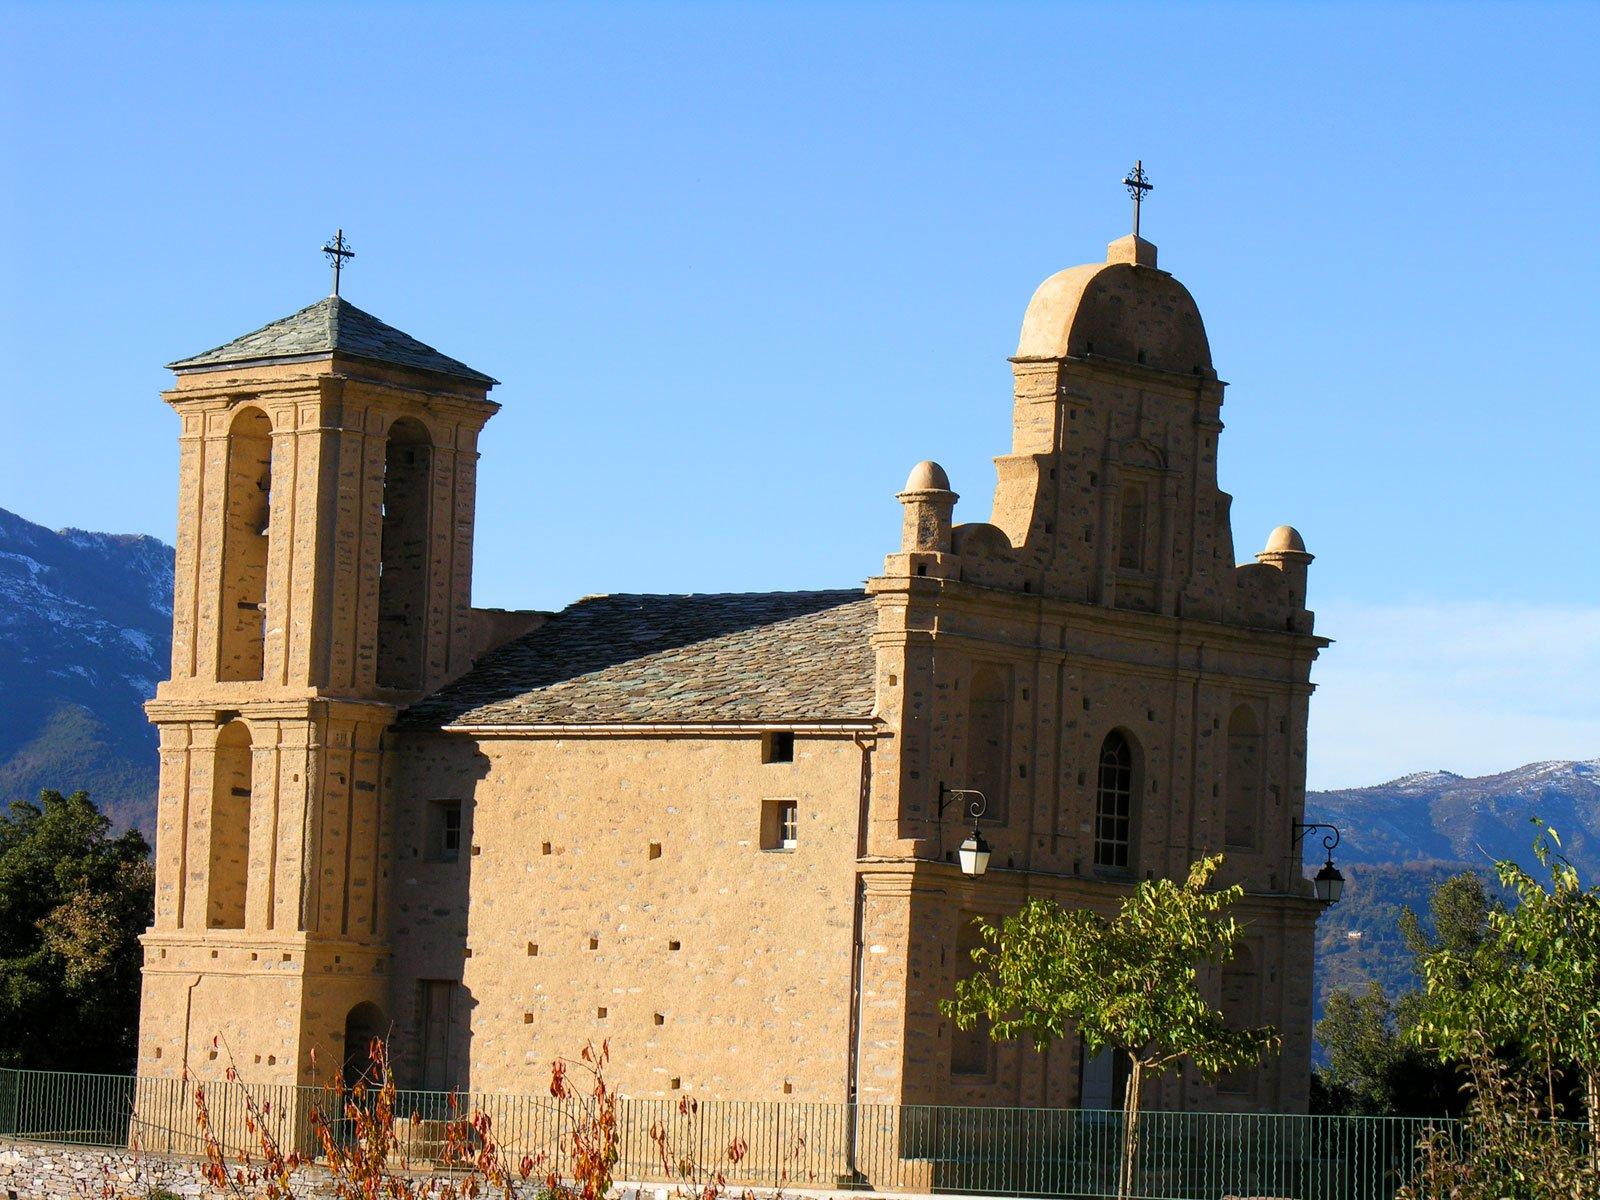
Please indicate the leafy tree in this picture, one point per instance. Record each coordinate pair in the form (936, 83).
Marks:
(1374, 1065)
(73, 901)
(1506, 1148)
(1460, 907)
(1130, 982)
(1531, 985)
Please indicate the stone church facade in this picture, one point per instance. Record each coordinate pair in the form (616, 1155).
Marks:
(708, 827)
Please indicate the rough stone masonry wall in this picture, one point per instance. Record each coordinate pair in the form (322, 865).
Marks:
(40, 1171)
(37, 1171)
(618, 888)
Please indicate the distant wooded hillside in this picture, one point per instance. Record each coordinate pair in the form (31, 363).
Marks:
(85, 634)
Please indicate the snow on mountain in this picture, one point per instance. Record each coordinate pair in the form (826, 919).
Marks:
(1442, 817)
(85, 631)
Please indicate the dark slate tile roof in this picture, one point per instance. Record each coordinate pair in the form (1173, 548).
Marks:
(331, 325)
(764, 656)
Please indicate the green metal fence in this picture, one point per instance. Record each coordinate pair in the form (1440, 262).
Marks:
(1024, 1152)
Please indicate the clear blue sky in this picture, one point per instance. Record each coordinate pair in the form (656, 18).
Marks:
(740, 267)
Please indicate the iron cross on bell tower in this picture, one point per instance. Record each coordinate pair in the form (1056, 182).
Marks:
(338, 250)
(1137, 184)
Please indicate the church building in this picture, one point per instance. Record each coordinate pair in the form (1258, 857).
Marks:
(720, 831)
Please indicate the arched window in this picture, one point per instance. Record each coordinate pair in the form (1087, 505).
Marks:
(245, 539)
(1241, 1009)
(228, 873)
(1115, 799)
(1130, 556)
(988, 738)
(363, 1023)
(1244, 777)
(403, 567)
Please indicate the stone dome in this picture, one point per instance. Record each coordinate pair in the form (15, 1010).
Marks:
(1285, 537)
(1123, 308)
(927, 476)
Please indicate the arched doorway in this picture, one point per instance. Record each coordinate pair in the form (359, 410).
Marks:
(364, 1023)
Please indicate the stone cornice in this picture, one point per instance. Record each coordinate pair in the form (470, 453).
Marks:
(1148, 377)
(225, 387)
(1004, 888)
(187, 710)
(941, 596)
(843, 728)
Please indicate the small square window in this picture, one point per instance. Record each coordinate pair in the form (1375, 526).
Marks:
(780, 824)
(777, 747)
(444, 833)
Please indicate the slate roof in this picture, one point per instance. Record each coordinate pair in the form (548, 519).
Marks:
(332, 325)
(764, 656)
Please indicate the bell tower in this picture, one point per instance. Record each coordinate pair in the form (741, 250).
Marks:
(325, 523)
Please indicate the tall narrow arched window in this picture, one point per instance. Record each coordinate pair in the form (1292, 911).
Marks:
(1244, 777)
(228, 869)
(1115, 803)
(1241, 1009)
(1131, 523)
(245, 539)
(403, 566)
(988, 738)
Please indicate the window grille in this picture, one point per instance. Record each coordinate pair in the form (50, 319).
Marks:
(1113, 835)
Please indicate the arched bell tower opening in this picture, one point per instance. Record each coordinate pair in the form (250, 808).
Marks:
(228, 875)
(403, 567)
(245, 544)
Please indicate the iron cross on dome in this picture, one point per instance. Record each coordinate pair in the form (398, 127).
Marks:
(338, 250)
(1137, 184)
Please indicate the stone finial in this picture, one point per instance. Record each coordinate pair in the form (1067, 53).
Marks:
(929, 505)
(927, 476)
(1132, 249)
(1285, 546)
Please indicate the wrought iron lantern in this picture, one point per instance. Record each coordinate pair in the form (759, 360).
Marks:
(1327, 883)
(973, 854)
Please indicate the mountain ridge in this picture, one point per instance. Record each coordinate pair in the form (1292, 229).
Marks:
(1473, 820)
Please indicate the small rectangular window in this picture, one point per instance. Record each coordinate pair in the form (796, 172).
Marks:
(780, 824)
(444, 833)
(777, 747)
